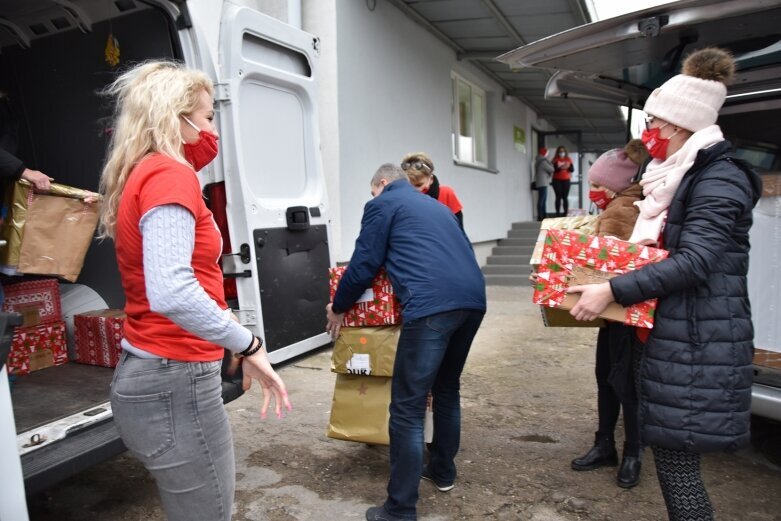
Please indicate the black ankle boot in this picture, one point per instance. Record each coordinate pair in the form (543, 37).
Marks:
(629, 472)
(602, 454)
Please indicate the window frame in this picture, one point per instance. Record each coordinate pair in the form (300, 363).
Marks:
(480, 141)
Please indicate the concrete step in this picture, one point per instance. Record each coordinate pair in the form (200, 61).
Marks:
(502, 269)
(515, 241)
(526, 249)
(506, 280)
(523, 233)
(514, 260)
(529, 225)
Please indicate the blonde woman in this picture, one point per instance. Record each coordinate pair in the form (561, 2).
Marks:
(420, 171)
(166, 393)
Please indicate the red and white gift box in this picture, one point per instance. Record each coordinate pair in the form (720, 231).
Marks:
(43, 294)
(98, 335)
(570, 258)
(378, 306)
(37, 347)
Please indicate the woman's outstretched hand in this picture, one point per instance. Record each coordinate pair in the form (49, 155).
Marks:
(257, 367)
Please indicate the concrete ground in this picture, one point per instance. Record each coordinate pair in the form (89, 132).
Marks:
(529, 400)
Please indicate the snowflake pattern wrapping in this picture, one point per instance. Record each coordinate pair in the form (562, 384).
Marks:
(43, 294)
(98, 336)
(571, 258)
(378, 306)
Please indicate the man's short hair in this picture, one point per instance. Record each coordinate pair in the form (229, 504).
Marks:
(389, 172)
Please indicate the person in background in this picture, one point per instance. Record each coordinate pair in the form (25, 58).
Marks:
(695, 375)
(420, 171)
(543, 170)
(166, 394)
(614, 192)
(12, 167)
(443, 303)
(562, 178)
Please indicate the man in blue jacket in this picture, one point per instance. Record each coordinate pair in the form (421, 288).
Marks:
(434, 273)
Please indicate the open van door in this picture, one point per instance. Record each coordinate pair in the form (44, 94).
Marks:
(274, 184)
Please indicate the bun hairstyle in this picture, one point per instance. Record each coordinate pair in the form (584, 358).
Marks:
(692, 99)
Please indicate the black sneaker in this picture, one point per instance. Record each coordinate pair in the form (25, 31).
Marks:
(440, 486)
(380, 514)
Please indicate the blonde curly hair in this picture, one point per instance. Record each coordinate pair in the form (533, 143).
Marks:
(150, 98)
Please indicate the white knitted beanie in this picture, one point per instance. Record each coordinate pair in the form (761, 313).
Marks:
(692, 99)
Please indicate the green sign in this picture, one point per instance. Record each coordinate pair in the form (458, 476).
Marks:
(519, 139)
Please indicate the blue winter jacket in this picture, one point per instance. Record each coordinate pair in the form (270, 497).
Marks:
(428, 257)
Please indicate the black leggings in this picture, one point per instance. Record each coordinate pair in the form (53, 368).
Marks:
(682, 487)
(615, 385)
(561, 189)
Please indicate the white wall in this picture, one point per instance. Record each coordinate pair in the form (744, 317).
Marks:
(394, 97)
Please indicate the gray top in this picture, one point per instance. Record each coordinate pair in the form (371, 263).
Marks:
(543, 171)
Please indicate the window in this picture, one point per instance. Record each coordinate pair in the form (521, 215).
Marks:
(469, 122)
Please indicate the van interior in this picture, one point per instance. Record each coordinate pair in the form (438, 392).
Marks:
(53, 64)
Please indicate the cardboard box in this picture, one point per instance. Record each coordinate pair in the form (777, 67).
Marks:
(365, 350)
(378, 306)
(37, 347)
(584, 224)
(42, 295)
(556, 317)
(98, 336)
(359, 411)
(571, 259)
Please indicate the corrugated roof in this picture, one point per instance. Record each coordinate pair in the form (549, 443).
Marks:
(481, 30)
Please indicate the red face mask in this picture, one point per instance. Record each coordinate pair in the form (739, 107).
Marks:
(599, 198)
(656, 146)
(203, 151)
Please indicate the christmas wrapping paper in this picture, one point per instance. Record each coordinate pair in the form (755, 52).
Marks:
(570, 258)
(44, 295)
(39, 347)
(98, 337)
(365, 350)
(378, 306)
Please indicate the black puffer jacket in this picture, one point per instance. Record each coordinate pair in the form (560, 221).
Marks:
(695, 378)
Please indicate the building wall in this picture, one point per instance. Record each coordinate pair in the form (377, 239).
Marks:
(386, 92)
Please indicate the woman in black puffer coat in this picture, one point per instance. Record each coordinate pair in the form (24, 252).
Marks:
(695, 374)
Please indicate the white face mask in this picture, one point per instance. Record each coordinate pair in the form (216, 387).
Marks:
(562, 154)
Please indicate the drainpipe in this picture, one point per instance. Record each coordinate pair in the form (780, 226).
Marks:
(294, 13)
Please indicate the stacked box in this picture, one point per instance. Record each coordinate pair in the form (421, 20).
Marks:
(98, 336)
(37, 347)
(363, 358)
(378, 306)
(40, 342)
(572, 258)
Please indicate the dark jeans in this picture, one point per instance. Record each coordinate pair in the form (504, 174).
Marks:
(615, 385)
(561, 189)
(542, 198)
(430, 355)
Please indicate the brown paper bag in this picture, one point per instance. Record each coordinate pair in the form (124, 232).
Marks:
(366, 350)
(57, 233)
(359, 411)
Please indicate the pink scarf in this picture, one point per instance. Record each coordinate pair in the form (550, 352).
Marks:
(661, 180)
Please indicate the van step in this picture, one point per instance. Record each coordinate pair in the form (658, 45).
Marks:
(53, 463)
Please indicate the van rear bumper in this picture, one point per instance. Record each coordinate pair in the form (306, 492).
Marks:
(766, 401)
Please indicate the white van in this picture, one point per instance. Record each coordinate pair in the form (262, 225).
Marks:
(266, 188)
(621, 60)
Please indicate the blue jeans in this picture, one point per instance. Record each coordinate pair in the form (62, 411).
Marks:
(542, 199)
(430, 356)
(170, 415)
